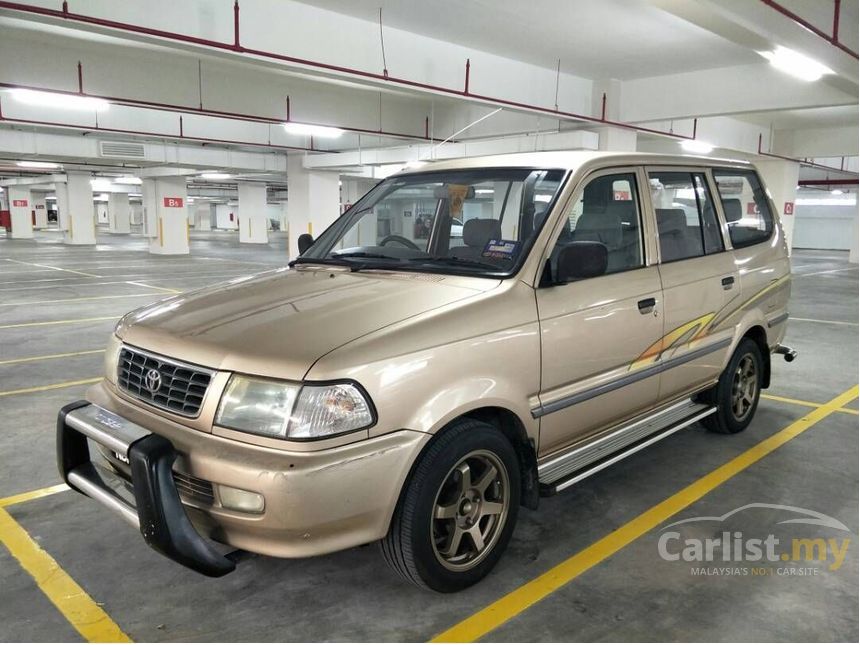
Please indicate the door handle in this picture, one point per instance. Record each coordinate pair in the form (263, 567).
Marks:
(646, 306)
(728, 283)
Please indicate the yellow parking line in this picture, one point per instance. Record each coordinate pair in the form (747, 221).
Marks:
(52, 386)
(33, 494)
(84, 613)
(50, 302)
(808, 404)
(486, 620)
(58, 322)
(45, 357)
(45, 266)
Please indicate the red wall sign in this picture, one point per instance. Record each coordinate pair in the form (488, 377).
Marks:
(173, 202)
(789, 208)
(19, 203)
(752, 209)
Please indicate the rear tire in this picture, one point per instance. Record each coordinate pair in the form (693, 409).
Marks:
(458, 510)
(736, 394)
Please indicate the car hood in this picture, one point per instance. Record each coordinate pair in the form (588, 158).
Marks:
(280, 322)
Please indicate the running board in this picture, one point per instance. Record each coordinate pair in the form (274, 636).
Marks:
(581, 462)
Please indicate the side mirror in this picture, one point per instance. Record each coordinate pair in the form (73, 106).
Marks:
(580, 260)
(305, 241)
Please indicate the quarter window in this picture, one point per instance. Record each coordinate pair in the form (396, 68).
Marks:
(687, 223)
(745, 205)
(607, 212)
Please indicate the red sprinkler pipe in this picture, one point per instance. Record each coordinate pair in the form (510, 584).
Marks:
(233, 47)
(157, 135)
(802, 162)
(236, 116)
(833, 39)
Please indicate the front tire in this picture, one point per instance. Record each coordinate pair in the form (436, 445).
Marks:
(736, 394)
(458, 510)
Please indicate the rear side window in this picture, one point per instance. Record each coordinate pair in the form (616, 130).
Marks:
(746, 207)
(687, 223)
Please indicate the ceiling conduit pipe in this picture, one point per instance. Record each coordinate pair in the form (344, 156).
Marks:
(329, 67)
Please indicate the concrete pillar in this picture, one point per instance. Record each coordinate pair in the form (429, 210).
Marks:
(203, 216)
(150, 211)
(314, 201)
(21, 208)
(119, 213)
(618, 139)
(781, 179)
(253, 220)
(41, 208)
(62, 206)
(855, 237)
(80, 219)
(171, 221)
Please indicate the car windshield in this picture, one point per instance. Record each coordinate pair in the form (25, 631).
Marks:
(476, 222)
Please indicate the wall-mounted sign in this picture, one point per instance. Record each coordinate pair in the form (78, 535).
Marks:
(752, 209)
(173, 202)
(40, 206)
(788, 209)
(19, 203)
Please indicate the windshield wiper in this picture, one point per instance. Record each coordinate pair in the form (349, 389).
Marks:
(352, 266)
(364, 254)
(460, 262)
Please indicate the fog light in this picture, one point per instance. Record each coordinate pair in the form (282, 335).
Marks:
(240, 500)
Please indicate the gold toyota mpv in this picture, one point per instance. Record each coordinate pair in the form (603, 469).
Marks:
(466, 338)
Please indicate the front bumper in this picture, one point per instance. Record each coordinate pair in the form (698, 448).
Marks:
(316, 501)
(157, 510)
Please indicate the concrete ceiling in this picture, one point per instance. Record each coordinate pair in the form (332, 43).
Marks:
(595, 39)
(667, 67)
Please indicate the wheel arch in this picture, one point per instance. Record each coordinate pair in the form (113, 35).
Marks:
(758, 335)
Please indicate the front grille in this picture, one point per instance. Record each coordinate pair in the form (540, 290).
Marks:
(195, 489)
(178, 388)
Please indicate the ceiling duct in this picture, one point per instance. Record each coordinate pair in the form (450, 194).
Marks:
(122, 150)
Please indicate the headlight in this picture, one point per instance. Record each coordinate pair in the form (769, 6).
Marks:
(292, 411)
(112, 357)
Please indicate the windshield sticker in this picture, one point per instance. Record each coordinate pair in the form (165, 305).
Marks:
(501, 249)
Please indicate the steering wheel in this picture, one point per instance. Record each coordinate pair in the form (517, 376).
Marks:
(405, 241)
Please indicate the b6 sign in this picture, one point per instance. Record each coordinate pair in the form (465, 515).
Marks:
(788, 209)
(19, 203)
(173, 202)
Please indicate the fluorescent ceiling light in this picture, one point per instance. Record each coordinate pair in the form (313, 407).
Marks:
(128, 180)
(322, 131)
(215, 175)
(699, 147)
(100, 184)
(101, 198)
(794, 63)
(59, 100)
(837, 191)
(38, 164)
(415, 164)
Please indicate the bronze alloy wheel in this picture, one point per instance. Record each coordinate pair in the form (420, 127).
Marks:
(744, 387)
(470, 510)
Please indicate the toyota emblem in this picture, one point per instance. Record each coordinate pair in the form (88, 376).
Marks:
(152, 380)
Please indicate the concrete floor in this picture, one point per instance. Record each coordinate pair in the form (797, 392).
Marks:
(633, 595)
